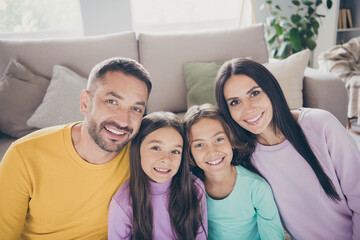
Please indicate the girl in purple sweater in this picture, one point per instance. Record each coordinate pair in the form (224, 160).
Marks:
(161, 200)
(309, 159)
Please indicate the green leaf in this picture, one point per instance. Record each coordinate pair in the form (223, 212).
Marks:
(268, 2)
(278, 7)
(296, 2)
(271, 38)
(320, 15)
(315, 25)
(307, 2)
(295, 18)
(311, 11)
(318, 2)
(284, 50)
(285, 23)
(295, 39)
(329, 4)
(279, 30)
(270, 21)
(310, 43)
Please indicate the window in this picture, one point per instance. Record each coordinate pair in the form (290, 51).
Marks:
(29, 16)
(165, 15)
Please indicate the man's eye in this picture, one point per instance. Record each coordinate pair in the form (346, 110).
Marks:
(234, 102)
(219, 139)
(176, 152)
(111, 101)
(138, 110)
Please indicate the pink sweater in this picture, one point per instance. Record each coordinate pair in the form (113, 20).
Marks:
(305, 209)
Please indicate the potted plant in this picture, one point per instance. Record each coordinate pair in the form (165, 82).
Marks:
(288, 35)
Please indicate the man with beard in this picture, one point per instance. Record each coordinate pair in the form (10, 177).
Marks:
(57, 183)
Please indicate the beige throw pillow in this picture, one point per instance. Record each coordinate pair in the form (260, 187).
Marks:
(21, 92)
(290, 73)
(61, 103)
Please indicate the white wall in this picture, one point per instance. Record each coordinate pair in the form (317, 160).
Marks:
(106, 16)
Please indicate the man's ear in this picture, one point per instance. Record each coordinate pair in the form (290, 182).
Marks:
(84, 101)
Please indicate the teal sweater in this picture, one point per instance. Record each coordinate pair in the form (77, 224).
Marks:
(249, 212)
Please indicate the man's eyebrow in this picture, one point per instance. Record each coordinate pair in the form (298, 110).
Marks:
(115, 95)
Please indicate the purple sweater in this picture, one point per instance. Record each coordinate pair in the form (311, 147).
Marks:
(120, 211)
(305, 209)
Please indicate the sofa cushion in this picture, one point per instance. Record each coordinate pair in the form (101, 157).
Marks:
(163, 55)
(21, 92)
(61, 103)
(79, 54)
(200, 79)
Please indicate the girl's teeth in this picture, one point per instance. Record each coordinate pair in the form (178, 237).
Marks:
(254, 119)
(215, 162)
(114, 131)
(162, 170)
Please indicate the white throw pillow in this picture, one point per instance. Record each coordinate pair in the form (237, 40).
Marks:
(61, 103)
(290, 73)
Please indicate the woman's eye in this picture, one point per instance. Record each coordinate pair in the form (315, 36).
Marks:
(234, 102)
(255, 93)
(156, 148)
(199, 145)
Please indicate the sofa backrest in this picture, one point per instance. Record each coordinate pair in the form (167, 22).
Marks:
(163, 55)
(79, 54)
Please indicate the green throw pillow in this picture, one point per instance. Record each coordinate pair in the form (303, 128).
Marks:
(200, 82)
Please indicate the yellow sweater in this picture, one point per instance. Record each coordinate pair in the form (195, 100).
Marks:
(48, 192)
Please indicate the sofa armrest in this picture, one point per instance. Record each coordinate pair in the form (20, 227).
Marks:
(325, 91)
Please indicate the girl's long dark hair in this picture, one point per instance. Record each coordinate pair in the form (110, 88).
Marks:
(208, 111)
(283, 120)
(184, 205)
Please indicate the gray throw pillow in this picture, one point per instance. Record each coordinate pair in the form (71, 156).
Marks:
(21, 92)
(61, 103)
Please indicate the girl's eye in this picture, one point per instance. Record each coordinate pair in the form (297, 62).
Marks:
(176, 152)
(219, 139)
(255, 93)
(156, 148)
(234, 102)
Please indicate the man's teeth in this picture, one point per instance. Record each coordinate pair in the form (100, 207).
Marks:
(162, 170)
(215, 162)
(114, 131)
(254, 119)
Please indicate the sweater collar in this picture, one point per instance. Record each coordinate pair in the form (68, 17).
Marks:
(159, 188)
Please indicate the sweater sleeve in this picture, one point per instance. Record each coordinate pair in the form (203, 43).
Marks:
(119, 224)
(345, 156)
(268, 219)
(203, 231)
(15, 189)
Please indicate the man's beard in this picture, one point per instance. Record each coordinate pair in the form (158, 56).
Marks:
(95, 134)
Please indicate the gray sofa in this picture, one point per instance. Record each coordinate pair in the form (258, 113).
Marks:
(163, 54)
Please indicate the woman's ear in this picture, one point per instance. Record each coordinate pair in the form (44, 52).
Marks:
(84, 101)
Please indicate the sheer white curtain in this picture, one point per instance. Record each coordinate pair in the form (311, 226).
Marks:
(179, 15)
(247, 13)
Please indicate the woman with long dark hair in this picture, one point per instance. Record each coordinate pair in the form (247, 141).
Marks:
(161, 200)
(306, 155)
